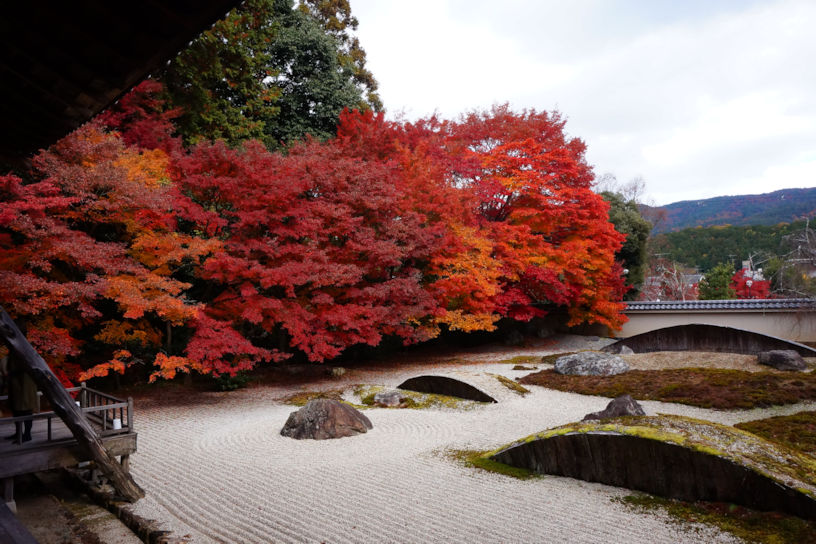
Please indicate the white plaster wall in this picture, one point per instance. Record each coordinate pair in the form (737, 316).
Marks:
(796, 326)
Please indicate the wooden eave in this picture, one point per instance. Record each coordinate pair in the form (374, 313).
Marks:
(61, 63)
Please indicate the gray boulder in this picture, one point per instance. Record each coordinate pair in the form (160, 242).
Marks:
(624, 405)
(591, 363)
(782, 359)
(389, 399)
(322, 419)
(618, 348)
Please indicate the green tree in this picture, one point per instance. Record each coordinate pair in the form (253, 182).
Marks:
(271, 71)
(715, 285)
(221, 80)
(625, 215)
(336, 19)
(313, 84)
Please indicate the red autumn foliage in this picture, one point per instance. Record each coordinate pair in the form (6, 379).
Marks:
(745, 285)
(390, 229)
(74, 242)
(143, 118)
(316, 245)
(534, 202)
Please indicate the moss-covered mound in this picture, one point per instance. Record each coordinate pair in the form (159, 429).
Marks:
(674, 457)
(521, 360)
(512, 385)
(302, 398)
(704, 387)
(415, 400)
(797, 431)
(746, 524)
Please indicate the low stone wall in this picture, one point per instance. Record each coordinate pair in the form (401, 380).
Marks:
(702, 337)
(797, 323)
(443, 385)
(660, 460)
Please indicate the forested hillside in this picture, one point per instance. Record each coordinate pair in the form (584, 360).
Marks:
(782, 206)
(705, 247)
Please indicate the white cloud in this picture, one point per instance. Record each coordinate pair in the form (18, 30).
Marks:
(700, 98)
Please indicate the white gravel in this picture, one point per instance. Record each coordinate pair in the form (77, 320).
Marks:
(217, 470)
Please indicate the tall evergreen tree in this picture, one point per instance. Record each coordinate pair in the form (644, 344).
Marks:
(272, 71)
(336, 18)
(625, 215)
(221, 80)
(313, 85)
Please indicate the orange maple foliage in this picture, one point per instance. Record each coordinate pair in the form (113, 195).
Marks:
(99, 226)
(391, 229)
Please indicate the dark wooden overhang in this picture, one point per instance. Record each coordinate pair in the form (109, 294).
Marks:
(63, 62)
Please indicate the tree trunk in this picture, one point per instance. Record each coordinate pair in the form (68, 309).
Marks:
(65, 408)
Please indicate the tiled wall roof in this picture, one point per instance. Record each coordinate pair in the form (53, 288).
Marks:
(723, 305)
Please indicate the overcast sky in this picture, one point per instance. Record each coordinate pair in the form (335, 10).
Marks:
(701, 98)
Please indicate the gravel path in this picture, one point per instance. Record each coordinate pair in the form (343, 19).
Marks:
(218, 470)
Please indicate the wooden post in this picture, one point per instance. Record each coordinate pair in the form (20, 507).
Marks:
(130, 415)
(8, 493)
(65, 408)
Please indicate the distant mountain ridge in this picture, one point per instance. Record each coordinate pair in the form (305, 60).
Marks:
(783, 206)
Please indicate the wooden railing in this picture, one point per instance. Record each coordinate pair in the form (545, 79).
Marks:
(115, 416)
(109, 414)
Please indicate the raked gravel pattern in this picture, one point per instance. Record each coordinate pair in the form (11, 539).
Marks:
(217, 470)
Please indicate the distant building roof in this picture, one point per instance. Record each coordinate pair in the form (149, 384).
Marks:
(774, 304)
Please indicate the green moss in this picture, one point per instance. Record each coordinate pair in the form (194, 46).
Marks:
(302, 398)
(643, 431)
(797, 431)
(775, 461)
(522, 367)
(551, 359)
(366, 393)
(704, 387)
(746, 524)
(481, 460)
(512, 385)
(521, 360)
(415, 400)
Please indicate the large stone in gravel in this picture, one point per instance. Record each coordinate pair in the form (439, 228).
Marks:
(782, 359)
(388, 399)
(591, 363)
(322, 419)
(624, 405)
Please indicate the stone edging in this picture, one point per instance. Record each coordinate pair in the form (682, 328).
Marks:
(146, 529)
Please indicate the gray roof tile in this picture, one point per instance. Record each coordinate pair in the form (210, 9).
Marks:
(734, 305)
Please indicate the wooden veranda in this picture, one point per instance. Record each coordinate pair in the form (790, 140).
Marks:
(52, 444)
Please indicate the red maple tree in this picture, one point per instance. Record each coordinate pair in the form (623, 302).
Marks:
(389, 229)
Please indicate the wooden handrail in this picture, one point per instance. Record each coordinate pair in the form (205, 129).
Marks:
(62, 403)
(98, 413)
